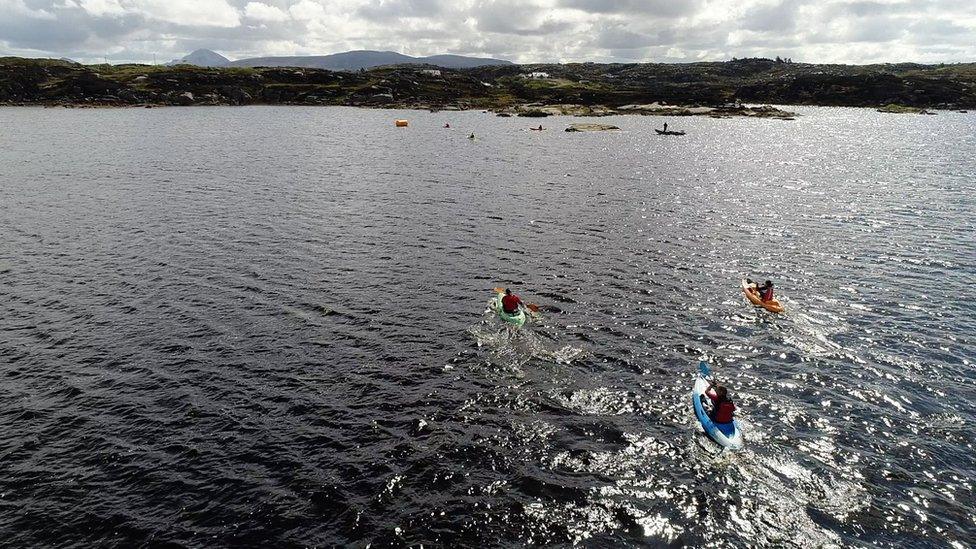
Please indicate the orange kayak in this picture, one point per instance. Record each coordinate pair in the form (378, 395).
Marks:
(752, 295)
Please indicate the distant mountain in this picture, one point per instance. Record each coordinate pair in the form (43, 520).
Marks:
(202, 58)
(346, 61)
(365, 59)
(460, 61)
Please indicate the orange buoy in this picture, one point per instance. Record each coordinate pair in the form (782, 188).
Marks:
(401, 123)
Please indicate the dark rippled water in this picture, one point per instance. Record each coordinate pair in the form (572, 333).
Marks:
(264, 327)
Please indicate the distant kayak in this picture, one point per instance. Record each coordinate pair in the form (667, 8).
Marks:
(728, 435)
(669, 132)
(517, 319)
(752, 295)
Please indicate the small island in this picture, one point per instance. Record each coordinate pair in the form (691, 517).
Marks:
(903, 109)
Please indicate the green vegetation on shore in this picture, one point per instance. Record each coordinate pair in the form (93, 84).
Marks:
(581, 88)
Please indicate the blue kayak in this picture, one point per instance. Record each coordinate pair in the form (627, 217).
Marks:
(728, 435)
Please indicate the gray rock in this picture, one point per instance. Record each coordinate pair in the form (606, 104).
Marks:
(591, 128)
(185, 98)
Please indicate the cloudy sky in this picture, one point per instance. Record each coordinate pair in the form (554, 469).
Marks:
(844, 31)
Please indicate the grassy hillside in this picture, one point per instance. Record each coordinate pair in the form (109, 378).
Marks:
(51, 82)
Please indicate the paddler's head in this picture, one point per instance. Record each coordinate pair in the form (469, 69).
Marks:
(508, 291)
(721, 392)
(769, 283)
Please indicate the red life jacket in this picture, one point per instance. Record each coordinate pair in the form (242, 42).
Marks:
(723, 412)
(766, 294)
(510, 303)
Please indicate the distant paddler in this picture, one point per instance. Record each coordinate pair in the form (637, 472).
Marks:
(666, 131)
(446, 126)
(471, 137)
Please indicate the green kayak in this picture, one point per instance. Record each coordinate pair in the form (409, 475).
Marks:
(516, 319)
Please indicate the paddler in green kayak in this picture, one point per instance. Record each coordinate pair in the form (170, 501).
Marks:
(511, 303)
(510, 307)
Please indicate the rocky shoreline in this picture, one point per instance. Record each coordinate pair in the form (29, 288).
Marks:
(653, 109)
(729, 89)
(528, 111)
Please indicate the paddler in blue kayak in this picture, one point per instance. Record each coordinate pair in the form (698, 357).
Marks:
(723, 409)
(511, 302)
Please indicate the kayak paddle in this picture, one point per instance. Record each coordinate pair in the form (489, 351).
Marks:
(703, 368)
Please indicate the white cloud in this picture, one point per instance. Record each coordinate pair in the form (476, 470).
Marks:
(521, 30)
(18, 7)
(214, 13)
(263, 12)
(306, 10)
(102, 8)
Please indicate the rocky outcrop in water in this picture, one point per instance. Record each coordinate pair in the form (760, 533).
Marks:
(903, 109)
(591, 128)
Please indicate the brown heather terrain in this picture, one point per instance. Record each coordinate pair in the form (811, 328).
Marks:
(583, 88)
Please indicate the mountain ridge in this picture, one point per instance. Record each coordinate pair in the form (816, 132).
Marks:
(343, 61)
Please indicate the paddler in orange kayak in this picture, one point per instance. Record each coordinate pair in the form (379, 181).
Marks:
(765, 292)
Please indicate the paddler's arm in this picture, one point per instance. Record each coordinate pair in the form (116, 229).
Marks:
(710, 392)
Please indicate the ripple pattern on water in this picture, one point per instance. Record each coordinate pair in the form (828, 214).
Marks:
(263, 326)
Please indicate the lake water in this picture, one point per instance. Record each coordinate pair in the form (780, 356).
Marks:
(265, 326)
